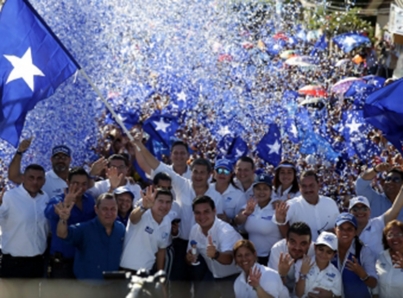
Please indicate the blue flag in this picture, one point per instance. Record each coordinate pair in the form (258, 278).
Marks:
(33, 63)
(269, 147)
(384, 110)
(349, 41)
(161, 128)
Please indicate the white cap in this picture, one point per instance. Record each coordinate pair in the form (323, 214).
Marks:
(359, 200)
(328, 239)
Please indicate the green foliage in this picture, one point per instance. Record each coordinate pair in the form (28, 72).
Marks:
(335, 23)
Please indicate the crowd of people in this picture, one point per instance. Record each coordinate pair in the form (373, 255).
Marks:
(219, 230)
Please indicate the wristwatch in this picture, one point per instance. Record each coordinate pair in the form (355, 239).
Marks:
(303, 276)
(216, 255)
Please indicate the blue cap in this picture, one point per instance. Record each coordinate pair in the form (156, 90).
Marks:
(61, 149)
(346, 217)
(224, 163)
(262, 178)
(193, 242)
(123, 189)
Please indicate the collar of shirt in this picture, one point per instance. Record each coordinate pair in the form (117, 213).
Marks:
(53, 175)
(27, 194)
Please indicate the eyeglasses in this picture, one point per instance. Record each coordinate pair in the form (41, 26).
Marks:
(165, 187)
(393, 179)
(60, 157)
(120, 168)
(223, 171)
(358, 209)
(391, 235)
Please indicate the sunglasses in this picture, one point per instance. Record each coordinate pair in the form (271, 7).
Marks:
(222, 171)
(358, 209)
(393, 179)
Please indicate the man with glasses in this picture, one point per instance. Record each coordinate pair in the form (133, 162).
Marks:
(381, 202)
(116, 173)
(55, 178)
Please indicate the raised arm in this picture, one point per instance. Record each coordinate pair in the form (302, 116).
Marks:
(394, 211)
(14, 169)
(147, 203)
(144, 158)
(371, 173)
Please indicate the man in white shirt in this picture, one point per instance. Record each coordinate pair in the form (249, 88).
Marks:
(148, 232)
(24, 226)
(214, 240)
(55, 179)
(286, 252)
(117, 170)
(245, 175)
(318, 212)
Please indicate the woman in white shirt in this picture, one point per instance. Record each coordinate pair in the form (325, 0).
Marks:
(285, 182)
(257, 216)
(389, 265)
(255, 281)
(233, 198)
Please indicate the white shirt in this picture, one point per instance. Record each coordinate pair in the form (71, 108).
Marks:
(248, 192)
(143, 240)
(277, 196)
(371, 235)
(262, 231)
(185, 195)
(224, 237)
(270, 282)
(390, 279)
(187, 174)
(319, 217)
(103, 186)
(328, 279)
(274, 258)
(54, 185)
(23, 223)
(233, 200)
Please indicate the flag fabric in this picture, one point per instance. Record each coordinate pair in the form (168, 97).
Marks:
(161, 128)
(269, 147)
(33, 63)
(384, 110)
(319, 46)
(349, 41)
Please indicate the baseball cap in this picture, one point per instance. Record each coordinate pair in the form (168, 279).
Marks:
(123, 189)
(262, 178)
(61, 149)
(359, 200)
(223, 163)
(328, 239)
(346, 217)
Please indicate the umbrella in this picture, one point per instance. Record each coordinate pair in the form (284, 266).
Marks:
(342, 62)
(304, 61)
(281, 36)
(288, 54)
(374, 80)
(342, 86)
(313, 90)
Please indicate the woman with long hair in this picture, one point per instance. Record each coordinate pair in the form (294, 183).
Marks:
(285, 182)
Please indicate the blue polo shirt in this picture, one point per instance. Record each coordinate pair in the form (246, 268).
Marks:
(76, 216)
(96, 251)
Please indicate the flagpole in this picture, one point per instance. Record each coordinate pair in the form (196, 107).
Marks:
(108, 106)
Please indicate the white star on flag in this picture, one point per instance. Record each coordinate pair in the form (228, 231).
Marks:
(224, 130)
(354, 126)
(294, 130)
(238, 153)
(161, 125)
(349, 41)
(23, 69)
(182, 96)
(274, 148)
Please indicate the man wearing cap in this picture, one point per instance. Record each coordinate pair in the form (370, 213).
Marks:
(233, 198)
(370, 229)
(286, 252)
(245, 175)
(354, 260)
(380, 202)
(62, 253)
(319, 212)
(55, 179)
(124, 198)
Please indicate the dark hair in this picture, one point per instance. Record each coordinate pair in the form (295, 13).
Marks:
(105, 196)
(202, 200)
(35, 167)
(247, 159)
(163, 191)
(308, 173)
(387, 228)
(276, 180)
(161, 176)
(118, 157)
(244, 243)
(77, 171)
(301, 229)
(180, 143)
(202, 162)
(397, 170)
